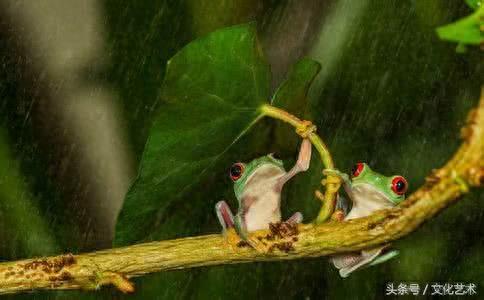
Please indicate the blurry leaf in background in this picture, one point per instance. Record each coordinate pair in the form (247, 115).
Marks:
(212, 91)
(19, 212)
(63, 126)
(474, 4)
(33, 218)
(142, 36)
(466, 31)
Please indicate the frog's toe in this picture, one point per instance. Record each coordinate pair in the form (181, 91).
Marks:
(329, 171)
(332, 172)
(305, 128)
(224, 215)
(232, 239)
(384, 257)
(338, 215)
(296, 218)
(259, 245)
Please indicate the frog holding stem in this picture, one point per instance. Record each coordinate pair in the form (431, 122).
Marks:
(257, 186)
(369, 191)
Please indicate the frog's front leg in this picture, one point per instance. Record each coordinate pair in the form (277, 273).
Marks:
(348, 263)
(341, 209)
(295, 219)
(226, 219)
(302, 163)
(229, 225)
(305, 128)
(337, 173)
(344, 177)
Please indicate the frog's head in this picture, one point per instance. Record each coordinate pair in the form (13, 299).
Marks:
(240, 173)
(392, 187)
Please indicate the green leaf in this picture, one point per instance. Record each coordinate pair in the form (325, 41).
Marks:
(292, 97)
(466, 30)
(19, 213)
(474, 4)
(292, 94)
(211, 96)
(157, 30)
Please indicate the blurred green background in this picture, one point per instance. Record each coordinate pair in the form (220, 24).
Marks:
(79, 82)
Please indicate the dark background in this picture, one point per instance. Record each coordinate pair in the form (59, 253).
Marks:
(79, 82)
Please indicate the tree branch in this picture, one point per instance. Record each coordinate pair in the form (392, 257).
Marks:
(114, 266)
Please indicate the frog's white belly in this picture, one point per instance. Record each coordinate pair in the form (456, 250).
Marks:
(261, 198)
(265, 210)
(366, 200)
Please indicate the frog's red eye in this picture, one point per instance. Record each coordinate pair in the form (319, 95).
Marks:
(357, 169)
(236, 171)
(399, 185)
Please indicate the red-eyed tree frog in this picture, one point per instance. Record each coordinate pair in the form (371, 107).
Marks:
(369, 191)
(257, 186)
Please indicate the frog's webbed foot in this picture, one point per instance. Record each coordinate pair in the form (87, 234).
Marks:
(226, 219)
(295, 219)
(232, 239)
(302, 163)
(335, 173)
(224, 215)
(304, 157)
(338, 215)
(305, 129)
(257, 241)
(349, 263)
(384, 257)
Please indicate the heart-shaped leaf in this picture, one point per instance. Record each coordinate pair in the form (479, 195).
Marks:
(212, 93)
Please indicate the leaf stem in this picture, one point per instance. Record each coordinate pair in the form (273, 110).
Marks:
(332, 183)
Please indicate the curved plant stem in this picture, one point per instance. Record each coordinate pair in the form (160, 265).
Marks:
(333, 183)
(115, 266)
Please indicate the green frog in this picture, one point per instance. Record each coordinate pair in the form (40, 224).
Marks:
(258, 186)
(369, 191)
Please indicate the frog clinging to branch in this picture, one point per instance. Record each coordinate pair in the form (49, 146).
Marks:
(258, 186)
(368, 191)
